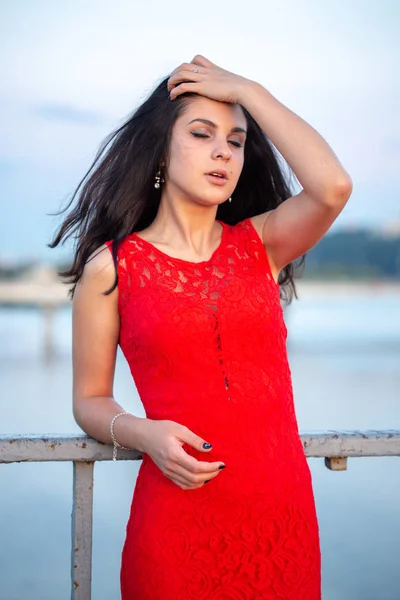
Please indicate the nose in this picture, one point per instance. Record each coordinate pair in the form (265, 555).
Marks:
(222, 151)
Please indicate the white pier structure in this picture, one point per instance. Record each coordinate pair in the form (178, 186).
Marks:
(41, 289)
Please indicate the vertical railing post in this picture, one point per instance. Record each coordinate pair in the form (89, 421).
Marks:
(82, 520)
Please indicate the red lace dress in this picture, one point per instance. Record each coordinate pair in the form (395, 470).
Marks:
(206, 345)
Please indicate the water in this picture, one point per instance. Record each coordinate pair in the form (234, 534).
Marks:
(345, 356)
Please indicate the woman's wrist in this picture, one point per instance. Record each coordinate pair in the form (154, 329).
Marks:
(128, 431)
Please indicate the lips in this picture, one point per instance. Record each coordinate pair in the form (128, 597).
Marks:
(216, 179)
(219, 172)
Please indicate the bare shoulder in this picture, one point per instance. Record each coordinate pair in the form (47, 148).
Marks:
(99, 270)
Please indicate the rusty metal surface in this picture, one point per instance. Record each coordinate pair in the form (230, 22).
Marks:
(351, 443)
(49, 447)
(336, 463)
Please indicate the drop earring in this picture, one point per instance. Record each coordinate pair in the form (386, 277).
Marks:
(158, 178)
(230, 199)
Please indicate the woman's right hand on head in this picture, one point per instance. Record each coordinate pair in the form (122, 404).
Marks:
(162, 440)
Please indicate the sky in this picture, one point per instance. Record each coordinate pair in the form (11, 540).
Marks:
(72, 70)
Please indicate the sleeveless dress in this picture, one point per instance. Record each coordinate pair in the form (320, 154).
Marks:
(206, 346)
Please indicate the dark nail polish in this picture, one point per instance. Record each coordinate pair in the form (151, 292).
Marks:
(207, 445)
(222, 467)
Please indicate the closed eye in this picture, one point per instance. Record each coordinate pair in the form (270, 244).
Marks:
(203, 135)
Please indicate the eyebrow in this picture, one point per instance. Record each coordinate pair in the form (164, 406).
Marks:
(207, 122)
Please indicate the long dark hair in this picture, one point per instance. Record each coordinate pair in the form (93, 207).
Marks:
(117, 195)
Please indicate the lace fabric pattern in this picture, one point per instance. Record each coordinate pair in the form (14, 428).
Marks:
(206, 346)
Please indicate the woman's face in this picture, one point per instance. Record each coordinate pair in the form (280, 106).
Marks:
(198, 148)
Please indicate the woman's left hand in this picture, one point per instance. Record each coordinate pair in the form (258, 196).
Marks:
(210, 80)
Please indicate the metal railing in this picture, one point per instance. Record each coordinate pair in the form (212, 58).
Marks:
(334, 446)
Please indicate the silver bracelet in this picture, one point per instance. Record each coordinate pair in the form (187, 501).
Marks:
(116, 444)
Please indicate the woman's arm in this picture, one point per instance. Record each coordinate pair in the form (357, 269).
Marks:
(95, 341)
(301, 221)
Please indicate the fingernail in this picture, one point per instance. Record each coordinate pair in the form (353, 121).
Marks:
(222, 467)
(207, 445)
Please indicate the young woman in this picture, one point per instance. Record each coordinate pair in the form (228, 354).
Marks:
(186, 234)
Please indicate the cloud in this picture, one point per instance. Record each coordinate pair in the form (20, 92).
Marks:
(53, 111)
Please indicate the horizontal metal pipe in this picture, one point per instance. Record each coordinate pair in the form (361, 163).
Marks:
(67, 447)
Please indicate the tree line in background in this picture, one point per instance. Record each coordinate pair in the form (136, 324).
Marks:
(360, 254)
